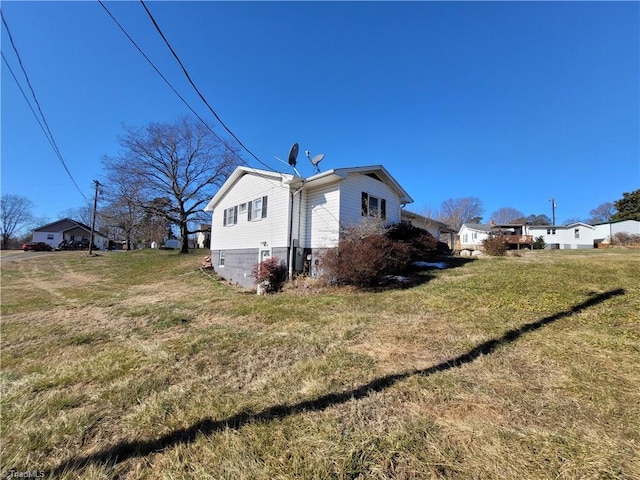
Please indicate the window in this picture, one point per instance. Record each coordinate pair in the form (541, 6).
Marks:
(576, 233)
(49, 236)
(551, 231)
(257, 209)
(230, 216)
(223, 255)
(243, 208)
(373, 206)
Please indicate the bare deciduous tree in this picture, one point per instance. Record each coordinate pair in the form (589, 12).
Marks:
(456, 211)
(507, 215)
(182, 161)
(80, 214)
(15, 211)
(602, 213)
(122, 212)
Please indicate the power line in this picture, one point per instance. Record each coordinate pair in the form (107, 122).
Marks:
(47, 133)
(175, 55)
(168, 83)
(28, 102)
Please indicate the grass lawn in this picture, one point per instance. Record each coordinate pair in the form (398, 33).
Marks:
(136, 365)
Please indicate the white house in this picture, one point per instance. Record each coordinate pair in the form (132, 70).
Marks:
(68, 231)
(573, 236)
(604, 231)
(203, 237)
(471, 235)
(258, 214)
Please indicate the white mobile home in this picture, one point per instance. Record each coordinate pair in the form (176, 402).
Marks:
(573, 236)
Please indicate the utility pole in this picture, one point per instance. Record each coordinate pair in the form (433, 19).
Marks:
(93, 217)
(553, 211)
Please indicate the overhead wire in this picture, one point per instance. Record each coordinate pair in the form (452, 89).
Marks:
(28, 102)
(186, 73)
(45, 128)
(157, 70)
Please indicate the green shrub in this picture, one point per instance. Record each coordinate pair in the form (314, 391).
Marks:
(539, 243)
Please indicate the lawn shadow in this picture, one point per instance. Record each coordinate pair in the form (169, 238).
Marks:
(125, 450)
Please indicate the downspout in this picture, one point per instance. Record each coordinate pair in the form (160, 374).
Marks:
(291, 247)
(291, 238)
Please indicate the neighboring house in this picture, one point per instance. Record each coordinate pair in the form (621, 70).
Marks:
(258, 214)
(471, 236)
(203, 238)
(441, 231)
(67, 230)
(604, 231)
(573, 236)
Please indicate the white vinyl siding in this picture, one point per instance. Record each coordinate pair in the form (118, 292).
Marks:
(352, 188)
(274, 203)
(322, 217)
(470, 238)
(565, 236)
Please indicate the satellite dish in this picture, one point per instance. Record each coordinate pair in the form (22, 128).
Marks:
(293, 155)
(315, 160)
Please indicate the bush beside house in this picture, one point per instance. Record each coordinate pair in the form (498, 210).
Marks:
(365, 260)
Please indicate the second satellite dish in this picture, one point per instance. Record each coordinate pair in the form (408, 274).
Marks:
(293, 155)
(315, 160)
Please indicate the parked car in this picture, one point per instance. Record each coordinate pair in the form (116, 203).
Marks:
(75, 245)
(37, 247)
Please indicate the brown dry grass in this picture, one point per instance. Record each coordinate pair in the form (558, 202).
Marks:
(137, 365)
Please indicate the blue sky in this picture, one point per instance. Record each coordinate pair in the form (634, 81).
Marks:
(510, 102)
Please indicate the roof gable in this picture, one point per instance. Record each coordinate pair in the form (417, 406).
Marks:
(61, 225)
(480, 227)
(377, 172)
(237, 174)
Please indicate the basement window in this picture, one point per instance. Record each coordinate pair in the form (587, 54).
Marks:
(223, 255)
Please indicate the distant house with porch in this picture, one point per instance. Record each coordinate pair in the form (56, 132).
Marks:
(67, 231)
